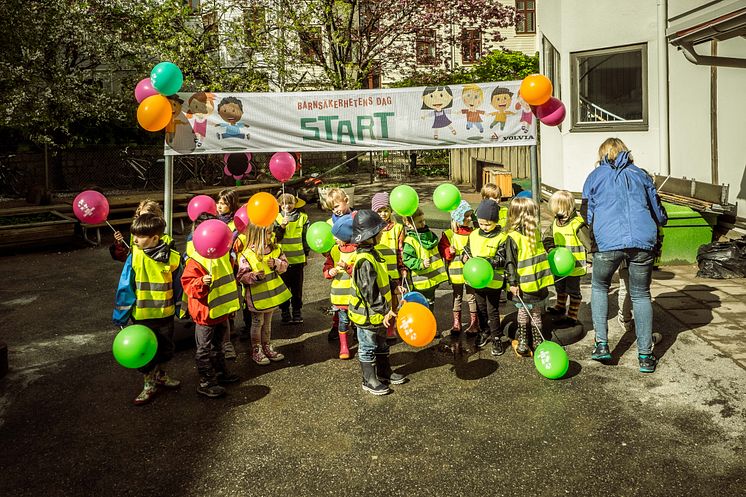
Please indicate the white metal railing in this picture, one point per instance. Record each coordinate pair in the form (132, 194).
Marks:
(591, 112)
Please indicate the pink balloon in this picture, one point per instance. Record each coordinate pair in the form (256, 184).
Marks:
(282, 166)
(212, 239)
(144, 89)
(201, 204)
(241, 218)
(551, 113)
(91, 207)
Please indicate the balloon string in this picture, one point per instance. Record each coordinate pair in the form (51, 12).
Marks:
(112, 229)
(531, 317)
(209, 269)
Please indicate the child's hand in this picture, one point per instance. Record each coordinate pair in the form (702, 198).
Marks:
(515, 290)
(451, 250)
(333, 272)
(207, 279)
(387, 319)
(342, 266)
(258, 275)
(426, 263)
(271, 263)
(118, 237)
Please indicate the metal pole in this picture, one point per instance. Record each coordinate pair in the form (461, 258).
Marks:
(663, 124)
(535, 182)
(168, 191)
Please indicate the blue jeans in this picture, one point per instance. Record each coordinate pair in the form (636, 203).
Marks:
(344, 320)
(640, 263)
(371, 342)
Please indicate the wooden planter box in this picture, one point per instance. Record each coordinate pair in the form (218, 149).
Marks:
(38, 228)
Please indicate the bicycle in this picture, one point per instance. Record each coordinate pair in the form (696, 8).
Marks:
(207, 169)
(138, 172)
(13, 180)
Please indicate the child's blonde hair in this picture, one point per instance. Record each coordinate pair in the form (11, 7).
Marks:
(150, 206)
(258, 240)
(230, 198)
(492, 191)
(286, 199)
(523, 216)
(336, 194)
(610, 148)
(562, 204)
(409, 220)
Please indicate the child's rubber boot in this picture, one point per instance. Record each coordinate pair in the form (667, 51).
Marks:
(384, 372)
(149, 390)
(371, 384)
(344, 351)
(163, 380)
(536, 337)
(520, 344)
(473, 324)
(456, 328)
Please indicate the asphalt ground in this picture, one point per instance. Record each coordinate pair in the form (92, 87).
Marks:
(465, 424)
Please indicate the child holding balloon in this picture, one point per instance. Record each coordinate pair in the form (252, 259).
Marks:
(153, 266)
(527, 270)
(290, 231)
(570, 231)
(337, 268)
(227, 205)
(119, 249)
(370, 305)
(451, 248)
(212, 296)
(420, 255)
(260, 265)
(484, 243)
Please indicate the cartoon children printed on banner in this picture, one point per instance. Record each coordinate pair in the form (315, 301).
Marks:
(201, 105)
(527, 117)
(500, 101)
(176, 103)
(473, 96)
(439, 99)
(230, 110)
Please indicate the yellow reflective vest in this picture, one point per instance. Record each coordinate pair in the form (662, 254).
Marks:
(292, 243)
(359, 311)
(532, 264)
(567, 236)
(341, 284)
(456, 266)
(223, 297)
(271, 291)
(481, 246)
(502, 218)
(427, 277)
(154, 292)
(389, 247)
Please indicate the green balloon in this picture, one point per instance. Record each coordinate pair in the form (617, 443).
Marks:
(561, 261)
(478, 272)
(446, 197)
(135, 346)
(404, 200)
(319, 237)
(167, 78)
(551, 360)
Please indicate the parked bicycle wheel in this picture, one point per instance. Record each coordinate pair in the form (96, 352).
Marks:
(132, 174)
(210, 170)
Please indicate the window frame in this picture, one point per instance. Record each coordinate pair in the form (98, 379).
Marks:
(309, 39)
(469, 41)
(636, 125)
(431, 42)
(523, 13)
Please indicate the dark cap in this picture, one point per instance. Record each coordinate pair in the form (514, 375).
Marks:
(488, 210)
(366, 224)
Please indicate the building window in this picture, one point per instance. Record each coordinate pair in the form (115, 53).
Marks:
(551, 65)
(254, 19)
(609, 88)
(425, 47)
(310, 43)
(192, 4)
(211, 30)
(526, 20)
(471, 45)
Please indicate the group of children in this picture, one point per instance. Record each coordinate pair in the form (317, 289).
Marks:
(375, 261)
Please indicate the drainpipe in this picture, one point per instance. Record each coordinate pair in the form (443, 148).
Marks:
(665, 167)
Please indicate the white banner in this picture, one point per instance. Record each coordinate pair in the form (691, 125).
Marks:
(456, 116)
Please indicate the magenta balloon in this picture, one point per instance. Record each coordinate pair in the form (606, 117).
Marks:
(552, 112)
(91, 207)
(201, 204)
(144, 89)
(282, 166)
(241, 218)
(212, 239)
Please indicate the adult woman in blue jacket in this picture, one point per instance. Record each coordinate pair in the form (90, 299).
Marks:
(624, 213)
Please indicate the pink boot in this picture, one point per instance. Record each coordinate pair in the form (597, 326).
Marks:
(344, 351)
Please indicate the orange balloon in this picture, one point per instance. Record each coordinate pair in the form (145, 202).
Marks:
(262, 209)
(154, 113)
(416, 324)
(536, 89)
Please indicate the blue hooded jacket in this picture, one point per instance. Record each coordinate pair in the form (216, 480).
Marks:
(624, 210)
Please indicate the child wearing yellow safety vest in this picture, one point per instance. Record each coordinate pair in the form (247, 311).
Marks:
(290, 230)
(570, 231)
(339, 203)
(493, 192)
(485, 243)
(420, 255)
(391, 246)
(260, 264)
(212, 296)
(337, 267)
(153, 264)
(451, 248)
(370, 304)
(227, 205)
(527, 270)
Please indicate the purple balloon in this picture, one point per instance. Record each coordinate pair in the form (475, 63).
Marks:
(144, 89)
(282, 166)
(551, 113)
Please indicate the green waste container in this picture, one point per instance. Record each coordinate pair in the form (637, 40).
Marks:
(684, 233)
